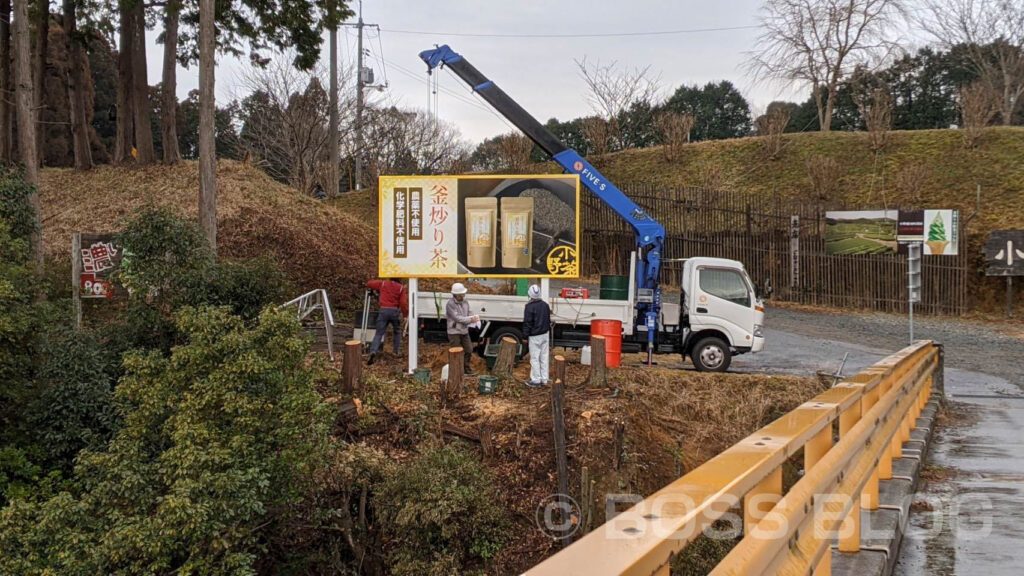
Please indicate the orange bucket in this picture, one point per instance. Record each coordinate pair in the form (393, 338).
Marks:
(612, 332)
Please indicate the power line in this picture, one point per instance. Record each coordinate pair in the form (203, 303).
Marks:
(594, 35)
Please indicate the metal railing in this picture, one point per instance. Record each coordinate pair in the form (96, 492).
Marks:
(872, 413)
(311, 302)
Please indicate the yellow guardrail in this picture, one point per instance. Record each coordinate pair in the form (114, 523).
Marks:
(872, 412)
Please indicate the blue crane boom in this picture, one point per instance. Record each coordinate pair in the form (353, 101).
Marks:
(650, 234)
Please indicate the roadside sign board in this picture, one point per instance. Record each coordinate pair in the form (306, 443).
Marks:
(860, 232)
(97, 258)
(1004, 253)
(479, 225)
(891, 231)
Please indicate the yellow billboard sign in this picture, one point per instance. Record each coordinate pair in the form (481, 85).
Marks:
(479, 225)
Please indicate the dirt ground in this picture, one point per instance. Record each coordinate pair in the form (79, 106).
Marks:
(649, 425)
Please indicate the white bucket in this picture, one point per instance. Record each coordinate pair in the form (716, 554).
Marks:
(585, 356)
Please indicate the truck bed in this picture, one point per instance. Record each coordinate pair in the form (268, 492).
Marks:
(503, 308)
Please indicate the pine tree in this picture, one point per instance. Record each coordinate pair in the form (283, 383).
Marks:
(937, 230)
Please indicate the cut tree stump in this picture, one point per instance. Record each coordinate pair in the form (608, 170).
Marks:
(598, 363)
(456, 367)
(352, 366)
(506, 360)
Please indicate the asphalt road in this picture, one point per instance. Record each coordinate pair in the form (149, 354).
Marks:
(968, 519)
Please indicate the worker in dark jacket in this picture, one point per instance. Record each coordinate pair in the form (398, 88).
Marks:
(394, 305)
(536, 325)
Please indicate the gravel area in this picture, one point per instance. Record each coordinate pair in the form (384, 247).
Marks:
(969, 345)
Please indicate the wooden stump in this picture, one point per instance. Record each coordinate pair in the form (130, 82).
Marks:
(506, 360)
(456, 367)
(586, 501)
(598, 363)
(561, 458)
(352, 366)
(560, 368)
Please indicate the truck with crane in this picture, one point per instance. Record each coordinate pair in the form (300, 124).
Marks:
(719, 314)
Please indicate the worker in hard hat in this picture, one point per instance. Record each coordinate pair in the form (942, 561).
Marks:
(536, 328)
(459, 317)
(394, 305)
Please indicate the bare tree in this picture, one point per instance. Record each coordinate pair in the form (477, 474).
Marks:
(207, 142)
(993, 33)
(125, 46)
(770, 127)
(819, 42)
(78, 106)
(979, 106)
(140, 89)
(911, 181)
(6, 89)
(611, 91)
(287, 120)
(42, 37)
(598, 131)
(514, 151)
(823, 176)
(876, 110)
(674, 129)
(169, 84)
(27, 118)
(411, 142)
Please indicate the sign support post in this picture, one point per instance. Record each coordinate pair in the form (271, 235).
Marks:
(1009, 296)
(414, 325)
(913, 280)
(76, 275)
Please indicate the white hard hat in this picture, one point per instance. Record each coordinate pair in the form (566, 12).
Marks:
(458, 288)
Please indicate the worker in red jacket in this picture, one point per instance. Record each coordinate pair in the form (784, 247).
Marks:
(394, 301)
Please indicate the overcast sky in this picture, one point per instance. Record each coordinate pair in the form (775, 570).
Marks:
(538, 72)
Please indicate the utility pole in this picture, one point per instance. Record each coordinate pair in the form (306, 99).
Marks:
(359, 101)
(332, 173)
(364, 79)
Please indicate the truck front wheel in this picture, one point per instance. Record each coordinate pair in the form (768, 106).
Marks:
(711, 355)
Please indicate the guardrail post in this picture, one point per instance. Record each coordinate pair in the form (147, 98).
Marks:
(849, 530)
(816, 447)
(824, 567)
(761, 499)
(849, 540)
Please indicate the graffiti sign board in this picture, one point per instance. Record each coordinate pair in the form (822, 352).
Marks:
(98, 257)
(484, 225)
(1004, 253)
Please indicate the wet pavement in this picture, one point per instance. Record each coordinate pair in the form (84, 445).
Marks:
(968, 516)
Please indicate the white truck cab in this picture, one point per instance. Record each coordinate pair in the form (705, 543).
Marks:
(720, 313)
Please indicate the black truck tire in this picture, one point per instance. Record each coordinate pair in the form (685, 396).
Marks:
(514, 333)
(711, 354)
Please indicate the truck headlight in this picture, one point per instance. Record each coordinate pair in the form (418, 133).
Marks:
(758, 331)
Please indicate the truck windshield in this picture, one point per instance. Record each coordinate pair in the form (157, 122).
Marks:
(726, 284)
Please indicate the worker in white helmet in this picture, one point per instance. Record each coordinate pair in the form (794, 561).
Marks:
(459, 317)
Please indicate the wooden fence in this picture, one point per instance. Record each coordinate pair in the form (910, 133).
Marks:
(756, 231)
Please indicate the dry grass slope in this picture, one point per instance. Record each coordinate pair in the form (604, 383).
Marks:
(946, 173)
(318, 246)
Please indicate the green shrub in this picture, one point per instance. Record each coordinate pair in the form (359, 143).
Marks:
(168, 264)
(219, 441)
(440, 513)
(72, 405)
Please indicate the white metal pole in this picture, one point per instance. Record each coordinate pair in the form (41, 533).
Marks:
(414, 325)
